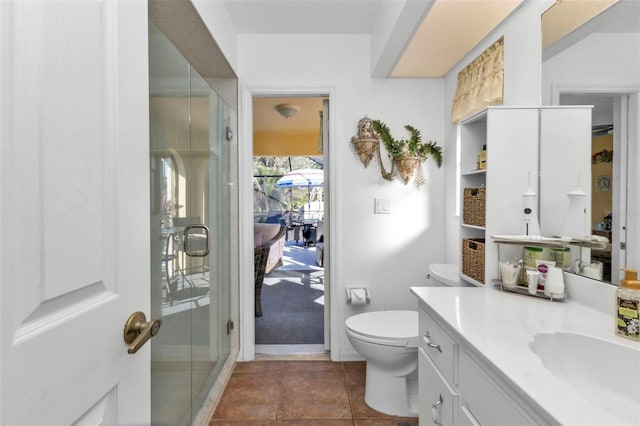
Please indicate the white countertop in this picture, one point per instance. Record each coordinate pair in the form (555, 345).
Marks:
(501, 325)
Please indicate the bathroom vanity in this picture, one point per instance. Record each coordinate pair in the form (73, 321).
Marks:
(492, 358)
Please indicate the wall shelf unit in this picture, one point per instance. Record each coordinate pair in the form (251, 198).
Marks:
(514, 138)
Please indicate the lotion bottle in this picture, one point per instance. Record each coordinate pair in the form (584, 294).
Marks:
(628, 306)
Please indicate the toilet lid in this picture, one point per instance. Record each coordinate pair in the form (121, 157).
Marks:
(387, 325)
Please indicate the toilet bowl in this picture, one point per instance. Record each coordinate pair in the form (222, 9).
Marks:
(445, 274)
(388, 340)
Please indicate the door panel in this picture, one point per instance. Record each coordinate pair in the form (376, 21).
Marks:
(73, 182)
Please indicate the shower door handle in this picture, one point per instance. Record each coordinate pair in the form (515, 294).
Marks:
(196, 240)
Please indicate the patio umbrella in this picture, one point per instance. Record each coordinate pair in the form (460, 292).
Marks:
(302, 178)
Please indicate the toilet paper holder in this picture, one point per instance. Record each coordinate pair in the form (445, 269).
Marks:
(358, 296)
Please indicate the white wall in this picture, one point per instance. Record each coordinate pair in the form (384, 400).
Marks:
(522, 83)
(600, 60)
(388, 253)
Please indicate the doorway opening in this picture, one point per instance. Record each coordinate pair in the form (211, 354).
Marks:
(291, 305)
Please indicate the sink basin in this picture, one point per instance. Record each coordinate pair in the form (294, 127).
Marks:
(606, 373)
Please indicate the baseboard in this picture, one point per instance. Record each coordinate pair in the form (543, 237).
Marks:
(279, 350)
(351, 356)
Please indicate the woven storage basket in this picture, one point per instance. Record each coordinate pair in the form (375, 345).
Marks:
(473, 206)
(473, 258)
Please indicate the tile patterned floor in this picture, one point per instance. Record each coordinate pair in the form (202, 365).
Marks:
(305, 393)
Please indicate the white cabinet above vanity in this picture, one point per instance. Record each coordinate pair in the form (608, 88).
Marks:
(494, 358)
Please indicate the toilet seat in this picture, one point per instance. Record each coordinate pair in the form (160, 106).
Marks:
(390, 328)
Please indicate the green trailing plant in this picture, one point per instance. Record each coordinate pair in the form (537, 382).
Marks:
(412, 147)
(604, 156)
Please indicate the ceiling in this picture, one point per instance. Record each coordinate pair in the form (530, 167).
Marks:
(303, 16)
(450, 30)
(267, 119)
(443, 36)
(461, 24)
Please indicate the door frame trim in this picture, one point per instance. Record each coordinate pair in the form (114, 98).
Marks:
(245, 171)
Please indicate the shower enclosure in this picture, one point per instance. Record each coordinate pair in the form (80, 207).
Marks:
(191, 149)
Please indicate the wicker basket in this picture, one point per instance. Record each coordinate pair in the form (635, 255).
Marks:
(473, 206)
(473, 258)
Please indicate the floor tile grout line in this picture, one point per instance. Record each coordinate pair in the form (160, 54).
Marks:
(285, 370)
(346, 384)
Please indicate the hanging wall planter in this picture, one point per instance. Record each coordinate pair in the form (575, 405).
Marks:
(407, 155)
(366, 149)
(407, 166)
(366, 144)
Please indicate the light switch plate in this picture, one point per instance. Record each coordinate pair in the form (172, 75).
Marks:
(382, 206)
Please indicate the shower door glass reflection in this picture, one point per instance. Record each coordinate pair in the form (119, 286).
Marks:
(189, 289)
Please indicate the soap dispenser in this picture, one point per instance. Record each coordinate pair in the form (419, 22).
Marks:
(628, 306)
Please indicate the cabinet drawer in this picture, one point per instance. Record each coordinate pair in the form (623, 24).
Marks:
(438, 400)
(483, 401)
(442, 350)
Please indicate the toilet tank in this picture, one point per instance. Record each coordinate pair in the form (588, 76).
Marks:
(444, 275)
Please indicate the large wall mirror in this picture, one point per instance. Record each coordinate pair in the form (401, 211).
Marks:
(599, 64)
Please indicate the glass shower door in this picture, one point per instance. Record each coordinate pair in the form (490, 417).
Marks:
(190, 234)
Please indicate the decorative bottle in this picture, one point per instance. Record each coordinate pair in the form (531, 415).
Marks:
(628, 306)
(483, 158)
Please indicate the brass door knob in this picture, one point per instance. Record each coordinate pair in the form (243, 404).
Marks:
(137, 331)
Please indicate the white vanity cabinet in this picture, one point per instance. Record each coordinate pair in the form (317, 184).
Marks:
(457, 387)
(438, 366)
(485, 400)
(518, 140)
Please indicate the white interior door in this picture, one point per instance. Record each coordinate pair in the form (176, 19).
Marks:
(74, 211)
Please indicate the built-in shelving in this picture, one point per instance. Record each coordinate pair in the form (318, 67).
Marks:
(548, 242)
(515, 140)
(475, 172)
(481, 228)
(510, 135)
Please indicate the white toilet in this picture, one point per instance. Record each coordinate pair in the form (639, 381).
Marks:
(444, 274)
(388, 340)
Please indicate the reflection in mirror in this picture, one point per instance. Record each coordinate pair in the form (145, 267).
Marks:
(598, 63)
(602, 188)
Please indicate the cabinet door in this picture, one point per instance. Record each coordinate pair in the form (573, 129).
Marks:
(512, 168)
(438, 401)
(566, 134)
(483, 400)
